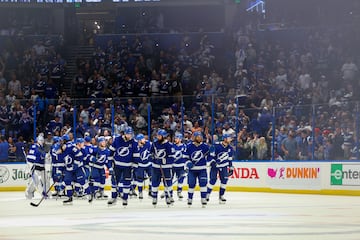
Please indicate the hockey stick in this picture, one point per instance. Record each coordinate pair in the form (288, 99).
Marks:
(177, 179)
(67, 131)
(43, 197)
(166, 186)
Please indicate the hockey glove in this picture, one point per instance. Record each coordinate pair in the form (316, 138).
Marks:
(111, 171)
(58, 177)
(188, 166)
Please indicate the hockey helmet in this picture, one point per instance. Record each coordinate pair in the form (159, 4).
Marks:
(162, 132)
(179, 136)
(139, 137)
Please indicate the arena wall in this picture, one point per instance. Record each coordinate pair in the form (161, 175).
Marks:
(334, 178)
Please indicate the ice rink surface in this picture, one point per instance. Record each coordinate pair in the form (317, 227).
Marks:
(246, 215)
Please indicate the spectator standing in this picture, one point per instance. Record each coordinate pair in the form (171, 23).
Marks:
(4, 149)
(3, 83)
(15, 86)
(290, 146)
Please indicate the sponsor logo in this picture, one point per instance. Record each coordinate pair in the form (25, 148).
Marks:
(4, 174)
(293, 173)
(345, 174)
(21, 174)
(245, 173)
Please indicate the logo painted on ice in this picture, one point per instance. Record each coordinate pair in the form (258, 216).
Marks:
(223, 156)
(4, 174)
(123, 151)
(197, 156)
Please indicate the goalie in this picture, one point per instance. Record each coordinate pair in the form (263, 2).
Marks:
(36, 162)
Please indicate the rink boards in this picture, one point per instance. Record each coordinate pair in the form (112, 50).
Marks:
(338, 178)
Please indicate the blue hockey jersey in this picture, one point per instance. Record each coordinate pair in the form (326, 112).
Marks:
(36, 156)
(101, 158)
(178, 155)
(197, 155)
(222, 155)
(57, 160)
(142, 154)
(162, 154)
(122, 151)
(73, 157)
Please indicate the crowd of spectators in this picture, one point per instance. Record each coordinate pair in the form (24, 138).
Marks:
(295, 101)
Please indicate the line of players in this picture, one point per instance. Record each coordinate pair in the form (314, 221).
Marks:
(78, 166)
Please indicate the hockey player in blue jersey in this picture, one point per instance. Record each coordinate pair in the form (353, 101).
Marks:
(74, 168)
(57, 167)
(89, 152)
(122, 158)
(179, 162)
(161, 166)
(36, 158)
(196, 158)
(221, 164)
(142, 158)
(97, 171)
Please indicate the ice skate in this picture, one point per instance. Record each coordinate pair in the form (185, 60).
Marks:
(141, 196)
(162, 195)
(112, 202)
(55, 194)
(168, 201)
(101, 196)
(180, 196)
(125, 203)
(68, 201)
(133, 194)
(203, 202)
(222, 200)
(91, 198)
(154, 202)
(29, 195)
(207, 197)
(189, 202)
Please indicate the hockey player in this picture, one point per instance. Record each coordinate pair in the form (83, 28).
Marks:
(161, 166)
(142, 157)
(97, 171)
(179, 163)
(220, 162)
(74, 169)
(88, 152)
(122, 157)
(36, 158)
(58, 167)
(196, 154)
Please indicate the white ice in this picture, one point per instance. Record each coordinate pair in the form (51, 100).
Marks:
(246, 215)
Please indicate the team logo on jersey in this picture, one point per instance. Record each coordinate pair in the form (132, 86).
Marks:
(160, 154)
(197, 156)
(101, 159)
(68, 160)
(223, 156)
(145, 155)
(177, 155)
(123, 151)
